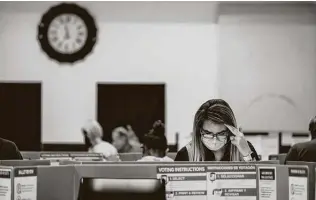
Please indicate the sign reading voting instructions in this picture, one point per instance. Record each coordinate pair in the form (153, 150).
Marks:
(183, 182)
(25, 184)
(216, 182)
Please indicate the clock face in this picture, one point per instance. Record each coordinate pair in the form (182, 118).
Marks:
(67, 33)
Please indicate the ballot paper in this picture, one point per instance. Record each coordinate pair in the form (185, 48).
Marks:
(184, 182)
(5, 183)
(25, 183)
(267, 183)
(231, 182)
(298, 183)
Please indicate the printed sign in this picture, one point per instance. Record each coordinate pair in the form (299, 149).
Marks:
(55, 157)
(231, 182)
(183, 182)
(298, 183)
(87, 156)
(5, 184)
(267, 183)
(25, 184)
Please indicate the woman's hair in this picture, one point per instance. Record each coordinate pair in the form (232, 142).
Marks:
(93, 129)
(218, 111)
(156, 139)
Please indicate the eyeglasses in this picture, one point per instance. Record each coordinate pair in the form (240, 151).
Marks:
(219, 136)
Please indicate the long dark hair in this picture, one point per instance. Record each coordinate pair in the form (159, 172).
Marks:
(218, 111)
(155, 139)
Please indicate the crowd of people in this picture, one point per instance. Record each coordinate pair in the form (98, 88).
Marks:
(215, 137)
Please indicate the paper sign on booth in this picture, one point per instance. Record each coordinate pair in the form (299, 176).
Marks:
(5, 184)
(231, 182)
(267, 183)
(25, 183)
(184, 182)
(55, 157)
(298, 183)
(87, 156)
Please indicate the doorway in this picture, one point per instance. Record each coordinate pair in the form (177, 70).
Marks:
(20, 114)
(138, 105)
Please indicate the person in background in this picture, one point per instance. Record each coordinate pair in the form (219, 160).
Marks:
(124, 140)
(132, 137)
(155, 145)
(9, 151)
(216, 137)
(305, 151)
(93, 134)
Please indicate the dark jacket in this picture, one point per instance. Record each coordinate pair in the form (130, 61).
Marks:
(182, 155)
(9, 151)
(305, 151)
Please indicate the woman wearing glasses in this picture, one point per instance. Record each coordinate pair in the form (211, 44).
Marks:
(216, 137)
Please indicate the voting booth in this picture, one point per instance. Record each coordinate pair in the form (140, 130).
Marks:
(177, 181)
(311, 182)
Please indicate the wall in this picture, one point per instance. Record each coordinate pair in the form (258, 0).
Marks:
(172, 43)
(267, 65)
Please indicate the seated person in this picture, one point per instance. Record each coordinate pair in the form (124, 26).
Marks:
(216, 137)
(304, 151)
(124, 140)
(155, 144)
(9, 151)
(93, 134)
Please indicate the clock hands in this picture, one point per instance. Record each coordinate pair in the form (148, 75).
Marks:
(67, 35)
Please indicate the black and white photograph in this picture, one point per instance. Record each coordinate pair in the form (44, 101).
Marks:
(159, 100)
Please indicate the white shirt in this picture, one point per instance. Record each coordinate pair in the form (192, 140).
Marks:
(105, 148)
(156, 159)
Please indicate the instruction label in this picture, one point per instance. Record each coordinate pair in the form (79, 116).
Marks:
(184, 182)
(298, 183)
(25, 184)
(267, 183)
(5, 184)
(231, 182)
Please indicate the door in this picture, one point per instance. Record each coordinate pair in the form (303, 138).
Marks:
(20, 114)
(138, 105)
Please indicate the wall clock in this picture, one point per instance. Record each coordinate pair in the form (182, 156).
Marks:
(67, 33)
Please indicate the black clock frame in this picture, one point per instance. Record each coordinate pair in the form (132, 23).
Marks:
(50, 15)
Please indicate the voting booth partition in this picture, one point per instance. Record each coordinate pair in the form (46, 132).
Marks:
(58, 156)
(183, 180)
(18, 182)
(311, 181)
(24, 162)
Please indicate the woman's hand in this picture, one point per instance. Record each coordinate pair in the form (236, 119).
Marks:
(239, 141)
